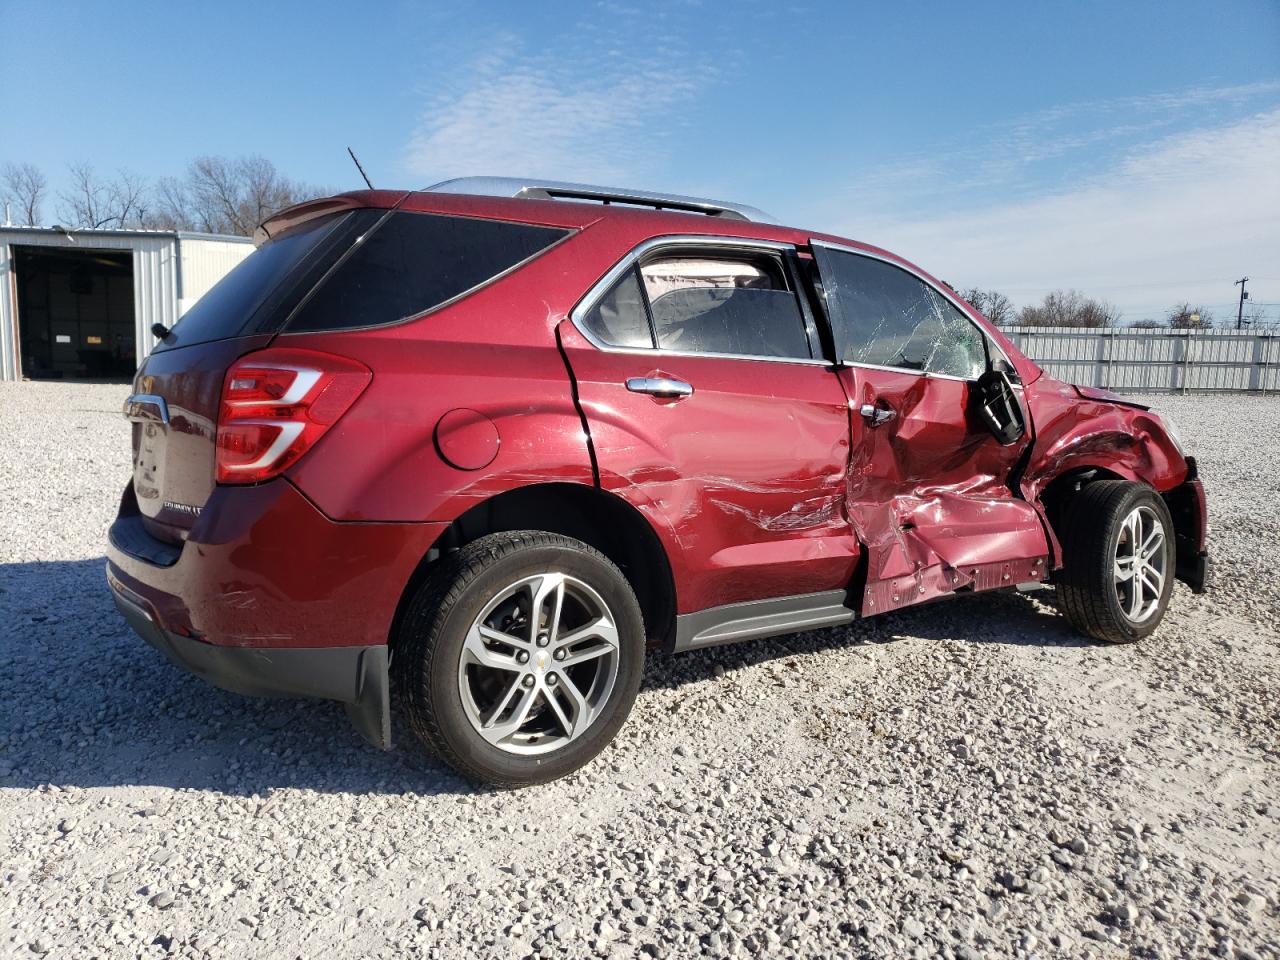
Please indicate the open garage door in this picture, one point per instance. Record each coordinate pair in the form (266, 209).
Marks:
(75, 313)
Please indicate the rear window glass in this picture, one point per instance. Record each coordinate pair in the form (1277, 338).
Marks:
(414, 262)
(239, 301)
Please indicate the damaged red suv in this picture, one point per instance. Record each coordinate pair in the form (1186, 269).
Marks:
(490, 443)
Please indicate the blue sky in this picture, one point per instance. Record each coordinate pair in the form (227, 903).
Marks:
(1131, 150)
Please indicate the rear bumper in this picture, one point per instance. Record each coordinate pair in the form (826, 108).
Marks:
(269, 597)
(356, 676)
(262, 567)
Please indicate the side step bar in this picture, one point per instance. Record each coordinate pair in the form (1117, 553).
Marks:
(761, 618)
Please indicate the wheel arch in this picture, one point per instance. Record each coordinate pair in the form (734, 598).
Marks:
(598, 518)
(1056, 492)
(1096, 595)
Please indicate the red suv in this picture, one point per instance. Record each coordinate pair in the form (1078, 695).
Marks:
(496, 440)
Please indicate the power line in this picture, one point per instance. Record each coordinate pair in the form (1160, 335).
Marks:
(1224, 306)
(1131, 286)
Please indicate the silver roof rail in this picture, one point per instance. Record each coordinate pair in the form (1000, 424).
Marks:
(556, 190)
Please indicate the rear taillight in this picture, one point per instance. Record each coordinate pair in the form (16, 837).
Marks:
(276, 404)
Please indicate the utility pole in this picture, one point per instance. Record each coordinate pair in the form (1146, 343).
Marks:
(1243, 297)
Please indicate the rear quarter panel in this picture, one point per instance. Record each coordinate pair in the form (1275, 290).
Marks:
(493, 353)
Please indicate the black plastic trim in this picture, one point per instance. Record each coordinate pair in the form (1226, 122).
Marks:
(1187, 509)
(761, 618)
(129, 535)
(1194, 571)
(356, 676)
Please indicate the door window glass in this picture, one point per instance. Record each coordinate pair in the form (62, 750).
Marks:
(888, 317)
(708, 304)
(959, 349)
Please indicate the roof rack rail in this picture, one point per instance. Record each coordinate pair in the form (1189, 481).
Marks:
(556, 190)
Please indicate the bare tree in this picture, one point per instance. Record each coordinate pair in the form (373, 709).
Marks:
(93, 203)
(25, 186)
(1184, 316)
(1069, 308)
(1256, 316)
(219, 195)
(1097, 313)
(128, 199)
(992, 304)
(172, 207)
(85, 203)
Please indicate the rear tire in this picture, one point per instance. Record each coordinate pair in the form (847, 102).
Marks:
(520, 657)
(1118, 561)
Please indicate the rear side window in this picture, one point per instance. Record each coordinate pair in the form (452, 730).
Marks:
(414, 262)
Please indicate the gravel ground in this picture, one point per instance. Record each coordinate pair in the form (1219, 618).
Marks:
(963, 780)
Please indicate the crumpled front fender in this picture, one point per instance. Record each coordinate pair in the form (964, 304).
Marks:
(1078, 430)
(1074, 432)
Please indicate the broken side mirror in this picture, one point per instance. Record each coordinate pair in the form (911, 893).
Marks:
(999, 407)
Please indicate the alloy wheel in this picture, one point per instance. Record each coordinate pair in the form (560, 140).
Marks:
(1140, 563)
(538, 664)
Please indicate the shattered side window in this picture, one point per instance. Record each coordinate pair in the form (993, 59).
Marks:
(959, 349)
(891, 318)
(618, 318)
(744, 307)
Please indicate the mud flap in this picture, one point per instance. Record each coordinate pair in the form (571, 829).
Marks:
(370, 712)
(1191, 529)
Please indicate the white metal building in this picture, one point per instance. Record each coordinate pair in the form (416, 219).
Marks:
(79, 304)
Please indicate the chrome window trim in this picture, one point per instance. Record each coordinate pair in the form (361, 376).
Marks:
(951, 298)
(602, 286)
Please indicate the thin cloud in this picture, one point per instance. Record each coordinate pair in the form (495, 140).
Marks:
(1029, 156)
(1179, 214)
(549, 116)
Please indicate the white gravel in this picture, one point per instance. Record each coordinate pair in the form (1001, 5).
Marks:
(963, 780)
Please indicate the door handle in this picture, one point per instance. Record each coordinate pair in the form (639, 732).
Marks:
(659, 386)
(877, 415)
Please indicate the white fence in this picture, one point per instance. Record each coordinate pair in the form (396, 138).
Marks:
(1155, 361)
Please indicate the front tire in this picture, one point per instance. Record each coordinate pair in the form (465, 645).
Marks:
(1118, 561)
(520, 657)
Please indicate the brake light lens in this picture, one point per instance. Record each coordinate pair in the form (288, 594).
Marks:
(276, 404)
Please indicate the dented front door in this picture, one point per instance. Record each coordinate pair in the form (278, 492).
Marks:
(929, 492)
